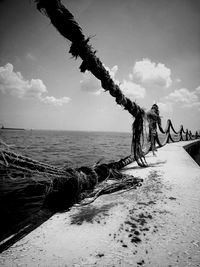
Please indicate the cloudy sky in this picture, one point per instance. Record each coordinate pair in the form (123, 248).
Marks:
(151, 49)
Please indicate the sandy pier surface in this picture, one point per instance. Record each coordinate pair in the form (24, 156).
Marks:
(158, 224)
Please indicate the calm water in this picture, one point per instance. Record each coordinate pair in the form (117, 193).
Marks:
(69, 147)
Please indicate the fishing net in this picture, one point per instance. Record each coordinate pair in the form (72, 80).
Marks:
(60, 185)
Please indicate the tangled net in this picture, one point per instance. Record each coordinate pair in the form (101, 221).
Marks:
(32, 191)
(63, 185)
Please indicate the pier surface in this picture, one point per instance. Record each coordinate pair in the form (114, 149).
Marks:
(158, 224)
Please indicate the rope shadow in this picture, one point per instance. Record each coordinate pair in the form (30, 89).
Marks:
(158, 163)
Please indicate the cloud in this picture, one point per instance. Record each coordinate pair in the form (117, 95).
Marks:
(112, 71)
(165, 108)
(132, 90)
(55, 101)
(13, 83)
(31, 57)
(129, 88)
(185, 97)
(197, 90)
(148, 72)
(92, 85)
(178, 80)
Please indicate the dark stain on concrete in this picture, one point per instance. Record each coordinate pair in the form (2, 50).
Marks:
(91, 214)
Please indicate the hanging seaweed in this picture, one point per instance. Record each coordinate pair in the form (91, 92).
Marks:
(138, 140)
(153, 117)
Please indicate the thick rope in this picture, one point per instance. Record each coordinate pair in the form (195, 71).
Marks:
(62, 185)
(65, 23)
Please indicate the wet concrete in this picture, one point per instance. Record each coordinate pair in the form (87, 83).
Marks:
(158, 224)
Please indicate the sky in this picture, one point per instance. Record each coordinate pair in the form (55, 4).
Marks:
(151, 49)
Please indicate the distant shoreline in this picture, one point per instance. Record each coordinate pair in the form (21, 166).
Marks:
(8, 128)
(65, 130)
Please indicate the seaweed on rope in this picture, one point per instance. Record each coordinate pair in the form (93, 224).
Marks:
(63, 20)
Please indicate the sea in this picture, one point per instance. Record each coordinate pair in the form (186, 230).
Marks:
(73, 148)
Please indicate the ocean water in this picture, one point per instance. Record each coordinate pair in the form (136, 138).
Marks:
(71, 148)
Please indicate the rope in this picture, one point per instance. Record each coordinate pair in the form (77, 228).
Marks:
(63, 185)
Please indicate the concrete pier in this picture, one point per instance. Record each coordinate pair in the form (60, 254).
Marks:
(158, 224)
